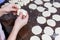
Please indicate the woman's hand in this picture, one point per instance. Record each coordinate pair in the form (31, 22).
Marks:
(9, 8)
(21, 21)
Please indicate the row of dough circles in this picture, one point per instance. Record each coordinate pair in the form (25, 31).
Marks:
(44, 37)
(36, 30)
(43, 20)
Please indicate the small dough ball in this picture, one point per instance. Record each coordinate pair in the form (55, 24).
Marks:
(56, 17)
(32, 6)
(22, 11)
(57, 30)
(52, 9)
(48, 5)
(56, 4)
(46, 37)
(46, 0)
(41, 20)
(41, 9)
(38, 2)
(46, 13)
(57, 37)
(34, 38)
(36, 30)
(48, 30)
(51, 22)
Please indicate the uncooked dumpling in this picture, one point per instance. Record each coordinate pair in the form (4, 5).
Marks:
(34, 38)
(51, 22)
(48, 30)
(40, 9)
(46, 37)
(38, 2)
(46, 14)
(36, 30)
(56, 4)
(52, 9)
(48, 5)
(57, 30)
(32, 6)
(41, 20)
(46, 0)
(57, 37)
(56, 17)
(25, 2)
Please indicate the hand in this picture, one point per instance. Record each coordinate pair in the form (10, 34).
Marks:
(9, 8)
(21, 21)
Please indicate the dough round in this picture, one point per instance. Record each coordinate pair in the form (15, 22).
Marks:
(46, 37)
(36, 30)
(41, 9)
(38, 2)
(25, 2)
(34, 38)
(41, 20)
(52, 9)
(48, 31)
(56, 17)
(46, 13)
(48, 5)
(32, 6)
(57, 37)
(57, 30)
(51, 22)
(56, 4)
(46, 0)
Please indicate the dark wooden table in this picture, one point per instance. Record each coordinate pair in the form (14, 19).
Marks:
(25, 33)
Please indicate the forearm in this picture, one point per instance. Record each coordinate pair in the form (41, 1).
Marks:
(1, 12)
(13, 34)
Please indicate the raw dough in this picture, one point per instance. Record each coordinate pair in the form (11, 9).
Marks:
(34, 38)
(40, 9)
(36, 30)
(51, 22)
(46, 14)
(48, 31)
(41, 20)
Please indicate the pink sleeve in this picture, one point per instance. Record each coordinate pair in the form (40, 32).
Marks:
(2, 36)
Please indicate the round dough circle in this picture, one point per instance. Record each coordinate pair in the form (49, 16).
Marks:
(48, 5)
(57, 30)
(51, 22)
(25, 2)
(56, 17)
(48, 30)
(34, 38)
(38, 2)
(41, 20)
(57, 37)
(40, 9)
(24, 12)
(36, 30)
(52, 9)
(46, 37)
(32, 6)
(46, 0)
(46, 13)
(56, 4)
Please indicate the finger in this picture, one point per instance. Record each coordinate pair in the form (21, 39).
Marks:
(13, 9)
(27, 16)
(14, 6)
(21, 15)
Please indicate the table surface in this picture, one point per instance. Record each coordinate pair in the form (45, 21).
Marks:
(25, 33)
